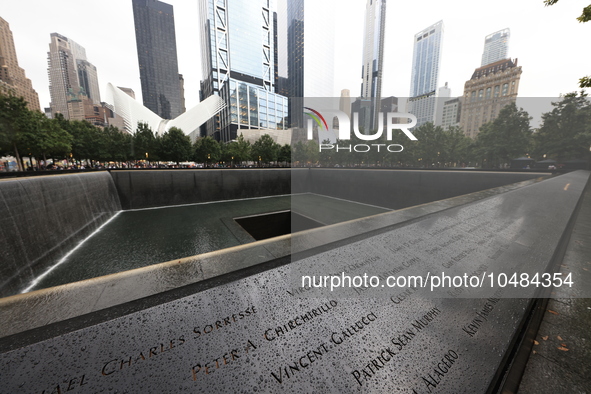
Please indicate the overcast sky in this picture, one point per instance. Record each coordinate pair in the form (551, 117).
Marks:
(552, 46)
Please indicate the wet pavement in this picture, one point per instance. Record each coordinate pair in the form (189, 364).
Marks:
(560, 361)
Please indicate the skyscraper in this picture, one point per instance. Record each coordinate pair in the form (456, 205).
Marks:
(73, 81)
(345, 102)
(238, 64)
(425, 73)
(88, 78)
(443, 94)
(157, 57)
(496, 47)
(373, 55)
(452, 110)
(310, 48)
(306, 59)
(12, 77)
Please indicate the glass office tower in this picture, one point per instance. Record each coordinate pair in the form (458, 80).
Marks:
(157, 57)
(373, 55)
(310, 48)
(496, 47)
(425, 73)
(239, 55)
(307, 63)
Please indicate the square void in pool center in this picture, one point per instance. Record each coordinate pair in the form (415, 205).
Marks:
(138, 238)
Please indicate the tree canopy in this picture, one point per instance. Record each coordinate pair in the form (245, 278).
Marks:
(505, 138)
(265, 149)
(566, 131)
(207, 150)
(175, 146)
(565, 134)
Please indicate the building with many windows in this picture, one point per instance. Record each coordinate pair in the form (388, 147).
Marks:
(88, 79)
(452, 110)
(239, 64)
(310, 47)
(373, 59)
(425, 73)
(443, 94)
(157, 57)
(345, 102)
(490, 89)
(72, 78)
(307, 58)
(12, 77)
(496, 47)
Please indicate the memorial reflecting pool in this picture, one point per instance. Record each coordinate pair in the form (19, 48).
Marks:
(137, 238)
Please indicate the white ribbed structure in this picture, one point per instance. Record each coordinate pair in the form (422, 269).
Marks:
(133, 113)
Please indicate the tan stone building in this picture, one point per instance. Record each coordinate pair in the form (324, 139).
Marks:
(70, 75)
(490, 89)
(12, 77)
(81, 107)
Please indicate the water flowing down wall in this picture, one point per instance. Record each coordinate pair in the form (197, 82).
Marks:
(397, 189)
(155, 188)
(42, 218)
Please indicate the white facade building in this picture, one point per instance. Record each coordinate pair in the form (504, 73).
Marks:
(133, 113)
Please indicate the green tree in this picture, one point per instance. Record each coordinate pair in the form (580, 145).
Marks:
(225, 153)
(566, 130)
(312, 151)
(240, 149)
(45, 137)
(265, 150)
(96, 141)
(87, 143)
(584, 82)
(299, 153)
(379, 154)
(427, 150)
(119, 144)
(144, 143)
(457, 147)
(505, 138)
(101, 143)
(207, 150)
(175, 146)
(341, 154)
(15, 120)
(284, 154)
(327, 156)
